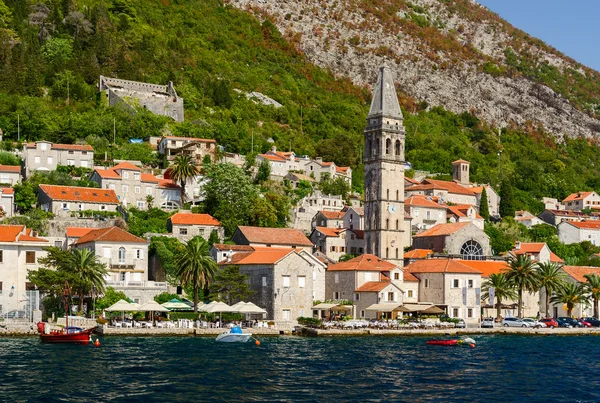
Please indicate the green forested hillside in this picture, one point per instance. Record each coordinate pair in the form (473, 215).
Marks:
(209, 50)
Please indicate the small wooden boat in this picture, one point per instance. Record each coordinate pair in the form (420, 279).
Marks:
(68, 334)
(234, 335)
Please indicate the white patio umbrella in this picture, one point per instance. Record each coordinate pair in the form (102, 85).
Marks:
(152, 306)
(218, 307)
(249, 307)
(238, 305)
(123, 306)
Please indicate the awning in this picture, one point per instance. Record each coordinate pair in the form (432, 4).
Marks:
(433, 310)
(387, 307)
(417, 307)
(331, 307)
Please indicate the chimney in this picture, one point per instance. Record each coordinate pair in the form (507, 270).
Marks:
(517, 245)
(273, 149)
(319, 160)
(34, 234)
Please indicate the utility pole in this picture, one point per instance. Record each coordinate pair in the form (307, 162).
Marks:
(301, 132)
(67, 89)
(114, 131)
(18, 127)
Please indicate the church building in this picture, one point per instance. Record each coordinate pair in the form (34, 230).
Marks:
(384, 173)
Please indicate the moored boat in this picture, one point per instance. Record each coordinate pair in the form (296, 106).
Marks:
(234, 335)
(452, 342)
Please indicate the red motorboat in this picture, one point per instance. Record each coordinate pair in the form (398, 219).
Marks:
(453, 342)
(68, 334)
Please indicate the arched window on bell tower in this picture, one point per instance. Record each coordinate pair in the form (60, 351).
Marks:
(397, 149)
(397, 253)
(387, 223)
(387, 197)
(388, 146)
(387, 253)
(372, 147)
(397, 195)
(397, 225)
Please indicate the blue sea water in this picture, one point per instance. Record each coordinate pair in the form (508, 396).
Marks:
(501, 368)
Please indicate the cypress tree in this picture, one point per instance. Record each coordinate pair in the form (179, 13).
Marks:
(507, 201)
(484, 209)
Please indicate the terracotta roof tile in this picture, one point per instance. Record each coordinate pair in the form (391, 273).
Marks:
(73, 147)
(358, 210)
(364, 262)
(107, 174)
(226, 247)
(423, 201)
(440, 266)
(77, 232)
(260, 256)
(555, 259)
(411, 180)
(111, 234)
(168, 184)
(460, 162)
(486, 267)
(461, 210)
(149, 178)
(577, 196)
(333, 215)
(593, 225)
(126, 165)
(276, 158)
(418, 254)
(10, 168)
(14, 233)
(190, 139)
(568, 213)
(330, 232)
(443, 229)
(451, 187)
(373, 286)
(73, 193)
(408, 276)
(193, 219)
(577, 272)
(275, 236)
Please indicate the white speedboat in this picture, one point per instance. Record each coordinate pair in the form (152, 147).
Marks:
(234, 335)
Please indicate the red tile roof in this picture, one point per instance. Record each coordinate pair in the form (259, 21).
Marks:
(126, 165)
(461, 210)
(486, 267)
(18, 233)
(577, 272)
(275, 236)
(73, 147)
(577, 196)
(359, 210)
(423, 201)
(333, 215)
(271, 157)
(74, 193)
(259, 256)
(76, 232)
(111, 234)
(418, 254)
(10, 168)
(107, 174)
(594, 225)
(408, 276)
(364, 262)
(568, 213)
(193, 219)
(440, 266)
(149, 178)
(443, 229)
(411, 180)
(373, 286)
(461, 162)
(451, 187)
(168, 184)
(330, 232)
(226, 247)
(342, 170)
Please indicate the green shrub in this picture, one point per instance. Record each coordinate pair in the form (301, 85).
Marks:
(310, 322)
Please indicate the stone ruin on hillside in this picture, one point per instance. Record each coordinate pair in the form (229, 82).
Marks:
(158, 99)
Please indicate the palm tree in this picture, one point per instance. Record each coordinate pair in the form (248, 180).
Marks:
(571, 294)
(593, 287)
(182, 170)
(89, 273)
(551, 277)
(521, 272)
(502, 289)
(149, 201)
(195, 267)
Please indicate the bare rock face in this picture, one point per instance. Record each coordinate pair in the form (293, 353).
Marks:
(354, 37)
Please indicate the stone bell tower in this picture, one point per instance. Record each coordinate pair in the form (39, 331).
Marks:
(384, 172)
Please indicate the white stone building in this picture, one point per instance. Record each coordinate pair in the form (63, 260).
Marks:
(10, 175)
(575, 232)
(62, 200)
(426, 211)
(126, 258)
(20, 249)
(46, 156)
(582, 200)
(186, 225)
(172, 146)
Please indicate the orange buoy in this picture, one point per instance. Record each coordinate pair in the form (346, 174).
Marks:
(257, 342)
(97, 343)
(472, 345)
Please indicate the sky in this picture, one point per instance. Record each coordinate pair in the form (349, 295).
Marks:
(569, 26)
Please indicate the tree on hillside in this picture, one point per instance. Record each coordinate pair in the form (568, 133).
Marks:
(230, 286)
(521, 273)
(264, 172)
(195, 266)
(484, 209)
(507, 199)
(182, 170)
(499, 287)
(165, 249)
(551, 278)
(592, 286)
(570, 295)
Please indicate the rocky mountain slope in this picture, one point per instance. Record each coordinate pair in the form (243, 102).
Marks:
(453, 53)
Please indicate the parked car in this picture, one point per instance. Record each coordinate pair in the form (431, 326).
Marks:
(534, 323)
(592, 321)
(514, 322)
(461, 323)
(487, 322)
(584, 323)
(550, 322)
(564, 321)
